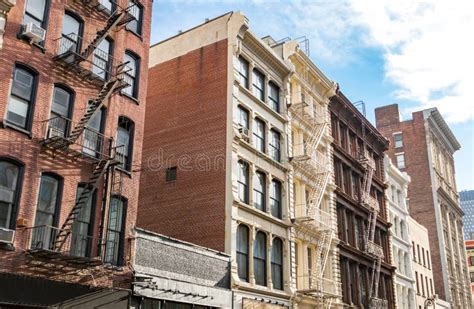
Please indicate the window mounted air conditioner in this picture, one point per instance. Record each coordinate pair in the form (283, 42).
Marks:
(244, 133)
(6, 236)
(35, 33)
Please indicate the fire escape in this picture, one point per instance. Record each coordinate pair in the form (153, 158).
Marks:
(371, 248)
(78, 141)
(311, 222)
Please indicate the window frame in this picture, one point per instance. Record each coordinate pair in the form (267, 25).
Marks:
(398, 143)
(257, 260)
(72, 98)
(274, 145)
(244, 63)
(32, 100)
(397, 161)
(243, 111)
(119, 261)
(274, 103)
(109, 62)
(276, 201)
(259, 93)
(131, 132)
(244, 186)
(257, 138)
(245, 255)
(91, 223)
(169, 173)
(80, 33)
(262, 193)
(18, 189)
(44, 22)
(135, 78)
(275, 265)
(59, 194)
(140, 7)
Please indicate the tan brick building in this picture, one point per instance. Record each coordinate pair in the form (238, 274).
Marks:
(215, 145)
(423, 147)
(73, 79)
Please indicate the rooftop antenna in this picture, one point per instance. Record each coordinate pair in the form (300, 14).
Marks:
(360, 105)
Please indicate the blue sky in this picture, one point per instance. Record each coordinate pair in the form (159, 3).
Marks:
(409, 52)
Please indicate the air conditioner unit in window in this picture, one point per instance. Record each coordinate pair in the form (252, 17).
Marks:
(6, 236)
(244, 133)
(34, 32)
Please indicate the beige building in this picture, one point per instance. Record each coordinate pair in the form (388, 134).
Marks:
(312, 207)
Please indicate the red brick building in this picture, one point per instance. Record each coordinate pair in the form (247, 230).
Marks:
(362, 215)
(423, 147)
(73, 79)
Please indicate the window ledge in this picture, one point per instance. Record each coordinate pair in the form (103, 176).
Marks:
(267, 216)
(7, 247)
(263, 155)
(23, 38)
(6, 124)
(135, 100)
(134, 33)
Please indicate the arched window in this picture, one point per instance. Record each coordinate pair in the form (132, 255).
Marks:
(243, 182)
(275, 198)
(61, 110)
(22, 97)
(259, 134)
(114, 247)
(243, 252)
(274, 145)
(47, 211)
(71, 34)
(10, 184)
(132, 62)
(260, 258)
(259, 191)
(277, 264)
(103, 59)
(274, 96)
(82, 229)
(125, 142)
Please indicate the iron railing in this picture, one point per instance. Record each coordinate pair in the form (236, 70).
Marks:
(77, 245)
(321, 218)
(374, 249)
(312, 284)
(378, 303)
(90, 143)
(366, 160)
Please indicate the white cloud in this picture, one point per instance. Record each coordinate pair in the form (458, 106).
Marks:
(429, 53)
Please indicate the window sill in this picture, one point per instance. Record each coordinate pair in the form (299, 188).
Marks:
(6, 124)
(27, 40)
(135, 100)
(263, 155)
(135, 34)
(262, 214)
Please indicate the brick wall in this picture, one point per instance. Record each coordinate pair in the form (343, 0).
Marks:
(186, 127)
(20, 146)
(417, 166)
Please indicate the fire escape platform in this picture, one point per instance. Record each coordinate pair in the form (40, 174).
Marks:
(62, 258)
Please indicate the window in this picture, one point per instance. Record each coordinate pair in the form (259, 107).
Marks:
(60, 111)
(260, 258)
(258, 81)
(124, 142)
(20, 103)
(400, 160)
(131, 74)
(108, 5)
(417, 283)
(413, 249)
(93, 134)
(81, 237)
(71, 33)
(47, 212)
(397, 140)
(275, 198)
(243, 252)
(274, 97)
(259, 191)
(277, 264)
(243, 182)
(310, 265)
(136, 10)
(102, 59)
(259, 135)
(244, 72)
(274, 145)
(471, 274)
(171, 174)
(10, 182)
(35, 12)
(115, 231)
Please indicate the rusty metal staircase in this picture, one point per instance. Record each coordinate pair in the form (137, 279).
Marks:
(62, 236)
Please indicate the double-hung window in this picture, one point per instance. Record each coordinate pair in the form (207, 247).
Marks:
(400, 160)
(259, 191)
(260, 258)
(102, 59)
(243, 252)
(258, 81)
(10, 174)
(131, 74)
(71, 34)
(275, 198)
(21, 100)
(243, 182)
(274, 97)
(124, 142)
(277, 264)
(60, 112)
(398, 140)
(244, 72)
(115, 231)
(274, 145)
(259, 134)
(81, 240)
(136, 10)
(35, 12)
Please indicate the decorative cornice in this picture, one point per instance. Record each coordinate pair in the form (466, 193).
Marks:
(441, 128)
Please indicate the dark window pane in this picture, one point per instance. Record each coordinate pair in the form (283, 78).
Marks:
(277, 264)
(275, 199)
(274, 97)
(8, 188)
(260, 258)
(242, 251)
(244, 72)
(259, 189)
(258, 84)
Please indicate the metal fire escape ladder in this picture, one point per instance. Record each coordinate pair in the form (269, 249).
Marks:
(119, 18)
(66, 229)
